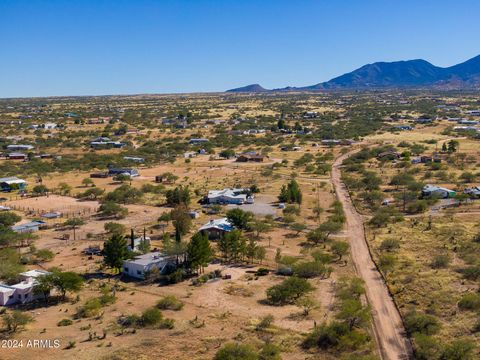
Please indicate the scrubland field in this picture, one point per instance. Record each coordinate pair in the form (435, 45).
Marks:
(279, 281)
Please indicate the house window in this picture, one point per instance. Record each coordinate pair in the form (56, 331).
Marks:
(139, 272)
(126, 269)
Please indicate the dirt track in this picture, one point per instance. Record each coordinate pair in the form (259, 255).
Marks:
(387, 322)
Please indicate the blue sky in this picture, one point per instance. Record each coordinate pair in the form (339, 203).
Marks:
(91, 47)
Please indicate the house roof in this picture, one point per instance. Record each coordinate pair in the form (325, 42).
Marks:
(23, 285)
(12, 180)
(148, 259)
(219, 224)
(19, 146)
(35, 273)
(31, 224)
(431, 188)
(6, 288)
(230, 193)
(252, 155)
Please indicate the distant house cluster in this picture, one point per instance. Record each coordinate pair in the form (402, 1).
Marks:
(46, 126)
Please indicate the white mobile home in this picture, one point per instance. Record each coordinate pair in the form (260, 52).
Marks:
(142, 264)
(229, 196)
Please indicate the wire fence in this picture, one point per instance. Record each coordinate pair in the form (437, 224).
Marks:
(48, 207)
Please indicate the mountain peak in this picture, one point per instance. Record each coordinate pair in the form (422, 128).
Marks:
(249, 88)
(416, 73)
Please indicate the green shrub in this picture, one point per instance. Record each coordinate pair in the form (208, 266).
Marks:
(151, 317)
(264, 323)
(322, 256)
(417, 207)
(234, 351)
(390, 245)
(270, 352)
(470, 301)
(471, 272)
(336, 336)
(170, 302)
(176, 277)
(91, 308)
(311, 269)
(326, 336)
(421, 323)
(440, 262)
(262, 272)
(107, 299)
(426, 347)
(65, 322)
(459, 350)
(288, 291)
(129, 320)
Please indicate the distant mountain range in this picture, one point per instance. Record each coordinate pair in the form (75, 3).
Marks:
(398, 74)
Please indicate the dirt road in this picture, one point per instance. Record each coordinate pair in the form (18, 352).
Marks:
(387, 322)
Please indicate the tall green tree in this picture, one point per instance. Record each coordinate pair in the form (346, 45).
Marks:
(8, 218)
(181, 220)
(291, 193)
(239, 218)
(233, 246)
(73, 223)
(115, 251)
(66, 281)
(199, 251)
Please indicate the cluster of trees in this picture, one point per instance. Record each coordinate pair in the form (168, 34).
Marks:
(8, 237)
(237, 351)
(124, 194)
(110, 209)
(290, 193)
(333, 224)
(422, 328)
(178, 196)
(450, 146)
(349, 331)
(199, 252)
(368, 183)
(16, 320)
(234, 247)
